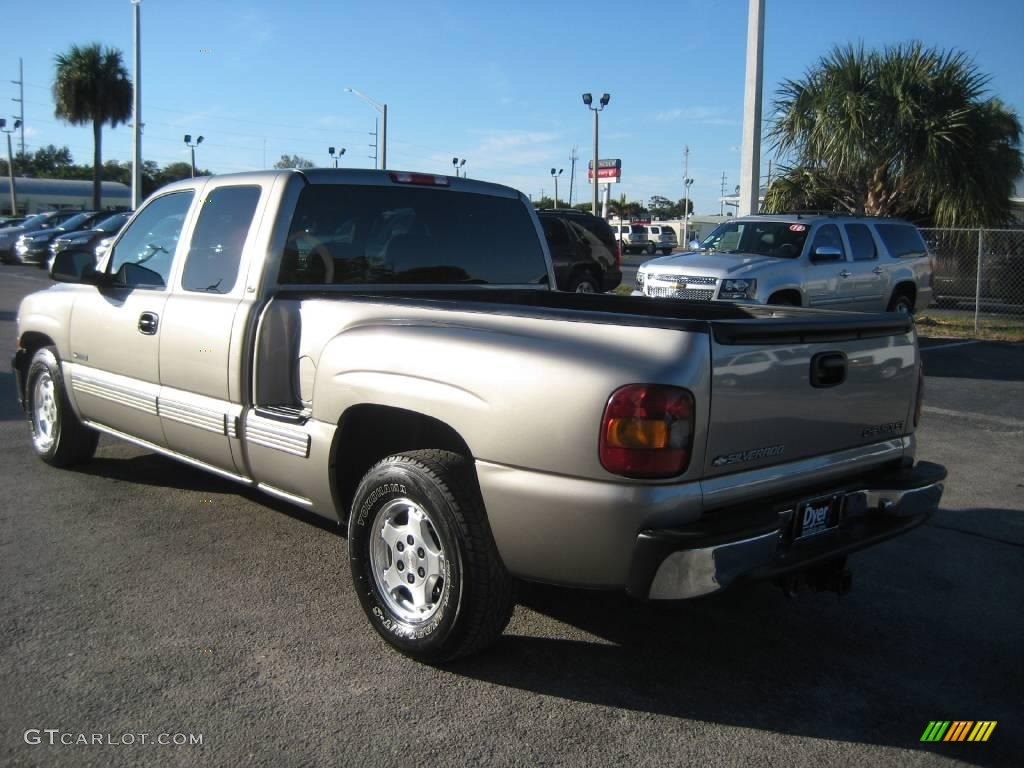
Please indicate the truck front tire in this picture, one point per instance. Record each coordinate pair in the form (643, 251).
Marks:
(424, 563)
(58, 437)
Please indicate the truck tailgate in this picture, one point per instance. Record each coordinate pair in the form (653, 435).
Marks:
(792, 389)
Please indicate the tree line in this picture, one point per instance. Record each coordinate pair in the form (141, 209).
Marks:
(657, 208)
(51, 162)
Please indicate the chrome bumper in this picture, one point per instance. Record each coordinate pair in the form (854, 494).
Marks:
(699, 560)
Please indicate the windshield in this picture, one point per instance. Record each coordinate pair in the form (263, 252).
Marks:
(75, 222)
(113, 223)
(32, 221)
(766, 238)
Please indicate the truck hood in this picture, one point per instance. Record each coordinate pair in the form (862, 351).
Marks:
(713, 264)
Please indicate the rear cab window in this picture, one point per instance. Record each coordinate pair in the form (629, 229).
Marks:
(220, 233)
(901, 240)
(366, 234)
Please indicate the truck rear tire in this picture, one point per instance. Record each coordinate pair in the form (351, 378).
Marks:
(424, 563)
(58, 437)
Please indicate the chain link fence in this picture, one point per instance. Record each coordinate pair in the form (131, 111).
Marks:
(978, 272)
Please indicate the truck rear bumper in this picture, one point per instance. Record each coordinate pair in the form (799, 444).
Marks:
(733, 544)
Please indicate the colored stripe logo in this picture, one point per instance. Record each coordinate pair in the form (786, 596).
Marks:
(958, 730)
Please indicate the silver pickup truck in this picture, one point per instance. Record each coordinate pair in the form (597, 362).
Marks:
(341, 339)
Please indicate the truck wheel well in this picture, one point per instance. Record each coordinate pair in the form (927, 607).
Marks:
(789, 297)
(368, 433)
(31, 342)
(906, 288)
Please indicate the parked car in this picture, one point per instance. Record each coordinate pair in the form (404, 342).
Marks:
(420, 381)
(9, 235)
(86, 239)
(633, 238)
(34, 247)
(827, 261)
(583, 251)
(11, 221)
(663, 238)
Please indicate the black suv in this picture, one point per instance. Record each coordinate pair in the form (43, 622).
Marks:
(583, 250)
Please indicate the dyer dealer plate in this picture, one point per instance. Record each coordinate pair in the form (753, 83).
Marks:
(817, 516)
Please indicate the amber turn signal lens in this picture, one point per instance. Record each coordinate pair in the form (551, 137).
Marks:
(647, 431)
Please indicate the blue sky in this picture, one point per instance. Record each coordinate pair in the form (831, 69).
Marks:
(499, 84)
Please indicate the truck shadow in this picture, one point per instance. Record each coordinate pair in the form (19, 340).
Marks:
(866, 668)
(10, 410)
(155, 470)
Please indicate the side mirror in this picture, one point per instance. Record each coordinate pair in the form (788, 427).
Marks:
(75, 267)
(825, 253)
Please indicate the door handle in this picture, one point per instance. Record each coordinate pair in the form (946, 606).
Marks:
(877, 270)
(844, 273)
(148, 323)
(828, 369)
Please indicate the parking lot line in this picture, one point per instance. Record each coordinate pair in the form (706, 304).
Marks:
(950, 345)
(1003, 421)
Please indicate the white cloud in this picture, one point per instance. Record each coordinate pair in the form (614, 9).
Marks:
(699, 115)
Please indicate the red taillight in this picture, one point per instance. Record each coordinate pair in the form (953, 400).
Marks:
(647, 431)
(618, 254)
(427, 179)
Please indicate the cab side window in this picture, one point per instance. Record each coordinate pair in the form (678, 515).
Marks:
(143, 256)
(828, 235)
(861, 242)
(220, 233)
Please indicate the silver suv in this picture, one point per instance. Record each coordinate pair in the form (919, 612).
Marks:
(663, 238)
(829, 261)
(632, 237)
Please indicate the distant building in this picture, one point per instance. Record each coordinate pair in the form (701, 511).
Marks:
(38, 195)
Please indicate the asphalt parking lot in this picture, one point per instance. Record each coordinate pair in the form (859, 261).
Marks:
(142, 596)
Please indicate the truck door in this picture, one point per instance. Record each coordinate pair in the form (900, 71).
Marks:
(116, 328)
(869, 281)
(200, 395)
(827, 282)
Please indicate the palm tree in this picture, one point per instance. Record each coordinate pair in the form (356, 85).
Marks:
(908, 131)
(92, 86)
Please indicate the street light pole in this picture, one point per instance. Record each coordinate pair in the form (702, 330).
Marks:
(188, 141)
(137, 111)
(383, 109)
(555, 177)
(588, 100)
(330, 151)
(10, 162)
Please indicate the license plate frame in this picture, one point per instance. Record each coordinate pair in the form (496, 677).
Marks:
(817, 517)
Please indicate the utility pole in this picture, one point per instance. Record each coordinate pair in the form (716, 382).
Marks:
(572, 172)
(721, 198)
(750, 166)
(687, 181)
(20, 82)
(10, 162)
(374, 145)
(137, 112)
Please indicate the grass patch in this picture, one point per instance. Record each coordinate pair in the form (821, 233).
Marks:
(962, 327)
(624, 290)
